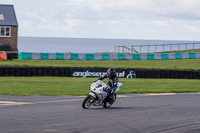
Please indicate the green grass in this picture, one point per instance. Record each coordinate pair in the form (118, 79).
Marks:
(189, 64)
(81, 86)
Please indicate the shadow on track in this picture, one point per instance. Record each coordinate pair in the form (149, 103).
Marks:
(136, 108)
(122, 108)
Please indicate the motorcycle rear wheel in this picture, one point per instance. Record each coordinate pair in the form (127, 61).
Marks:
(87, 102)
(109, 102)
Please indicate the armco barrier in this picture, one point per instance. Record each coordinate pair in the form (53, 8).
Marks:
(60, 56)
(24, 55)
(89, 56)
(136, 56)
(192, 55)
(3, 56)
(97, 72)
(82, 56)
(164, 56)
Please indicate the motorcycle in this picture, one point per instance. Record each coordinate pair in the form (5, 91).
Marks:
(99, 95)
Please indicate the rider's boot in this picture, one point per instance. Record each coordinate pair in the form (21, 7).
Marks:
(111, 94)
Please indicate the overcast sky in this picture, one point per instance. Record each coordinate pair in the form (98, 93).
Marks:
(117, 19)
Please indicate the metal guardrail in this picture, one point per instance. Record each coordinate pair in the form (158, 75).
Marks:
(126, 49)
(162, 47)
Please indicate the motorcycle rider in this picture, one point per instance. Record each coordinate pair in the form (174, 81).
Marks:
(112, 81)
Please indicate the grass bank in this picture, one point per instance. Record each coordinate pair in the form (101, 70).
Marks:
(81, 86)
(181, 51)
(183, 64)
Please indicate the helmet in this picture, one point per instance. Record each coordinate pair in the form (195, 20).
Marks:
(110, 72)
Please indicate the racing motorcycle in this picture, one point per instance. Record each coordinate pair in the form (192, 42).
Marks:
(99, 95)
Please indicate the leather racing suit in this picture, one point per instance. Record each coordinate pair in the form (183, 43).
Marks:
(112, 83)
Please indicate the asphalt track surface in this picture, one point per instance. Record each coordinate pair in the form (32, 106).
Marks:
(132, 114)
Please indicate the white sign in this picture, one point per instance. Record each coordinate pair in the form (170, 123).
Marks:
(131, 74)
(96, 74)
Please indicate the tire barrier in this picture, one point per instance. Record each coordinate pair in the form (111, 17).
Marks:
(11, 56)
(81, 56)
(35, 71)
(98, 72)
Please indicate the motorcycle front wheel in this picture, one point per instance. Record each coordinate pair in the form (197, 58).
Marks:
(87, 102)
(109, 102)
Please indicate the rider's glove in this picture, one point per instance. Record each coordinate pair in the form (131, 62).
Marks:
(106, 88)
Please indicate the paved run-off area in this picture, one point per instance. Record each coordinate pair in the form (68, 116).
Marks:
(132, 114)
